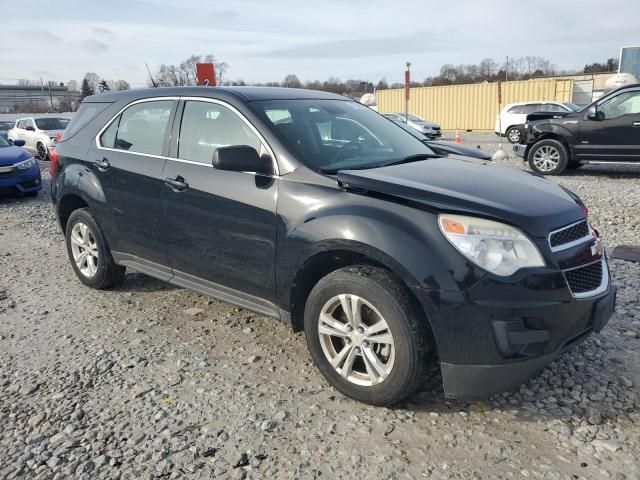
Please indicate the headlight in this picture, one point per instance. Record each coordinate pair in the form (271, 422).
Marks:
(496, 247)
(25, 164)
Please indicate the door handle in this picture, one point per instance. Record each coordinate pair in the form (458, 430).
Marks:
(636, 124)
(102, 164)
(177, 184)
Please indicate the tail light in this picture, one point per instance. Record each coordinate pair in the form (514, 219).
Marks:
(53, 158)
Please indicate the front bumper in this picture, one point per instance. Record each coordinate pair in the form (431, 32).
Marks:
(498, 334)
(19, 181)
(520, 150)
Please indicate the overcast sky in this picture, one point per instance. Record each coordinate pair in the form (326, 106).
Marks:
(265, 40)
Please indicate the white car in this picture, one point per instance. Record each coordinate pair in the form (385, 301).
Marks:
(430, 130)
(514, 115)
(39, 133)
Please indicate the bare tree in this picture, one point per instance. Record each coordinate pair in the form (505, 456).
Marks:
(184, 74)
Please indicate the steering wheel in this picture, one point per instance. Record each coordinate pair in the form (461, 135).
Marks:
(356, 147)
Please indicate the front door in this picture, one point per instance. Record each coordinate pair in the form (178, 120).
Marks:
(129, 162)
(220, 225)
(615, 134)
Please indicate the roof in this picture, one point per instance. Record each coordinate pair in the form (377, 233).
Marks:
(248, 94)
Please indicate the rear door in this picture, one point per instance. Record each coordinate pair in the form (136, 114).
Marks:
(615, 136)
(128, 159)
(221, 225)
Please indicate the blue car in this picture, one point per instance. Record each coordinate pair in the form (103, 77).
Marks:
(19, 171)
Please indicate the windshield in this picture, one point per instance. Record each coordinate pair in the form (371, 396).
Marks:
(332, 135)
(4, 142)
(52, 123)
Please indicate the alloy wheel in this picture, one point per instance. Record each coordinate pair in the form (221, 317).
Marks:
(42, 152)
(84, 249)
(514, 135)
(546, 158)
(356, 340)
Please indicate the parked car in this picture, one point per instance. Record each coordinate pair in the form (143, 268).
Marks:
(429, 129)
(444, 149)
(40, 134)
(607, 131)
(314, 209)
(5, 126)
(19, 171)
(513, 116)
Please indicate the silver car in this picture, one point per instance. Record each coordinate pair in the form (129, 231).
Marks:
(40, 134)
(429, 129)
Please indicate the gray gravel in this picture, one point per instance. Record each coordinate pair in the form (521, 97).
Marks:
(151, 381)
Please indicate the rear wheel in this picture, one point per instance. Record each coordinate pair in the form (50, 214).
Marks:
(366, 336)
(89, 253)
(548, 157)
(513, 135)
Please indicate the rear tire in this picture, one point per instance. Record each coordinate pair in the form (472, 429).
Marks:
(548, 157)
(381, 353)
(89, 253)
(42, 152)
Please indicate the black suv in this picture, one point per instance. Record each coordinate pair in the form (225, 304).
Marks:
(318, 211)
(607, 131)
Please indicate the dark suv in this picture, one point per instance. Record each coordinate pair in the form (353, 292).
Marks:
(316, 210)
(605, 132)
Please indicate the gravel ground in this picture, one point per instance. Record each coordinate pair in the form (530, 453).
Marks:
(149, 381)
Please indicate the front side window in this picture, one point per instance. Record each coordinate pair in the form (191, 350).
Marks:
(331, 135)
(141, 128)
(206, 126)
(627, 103)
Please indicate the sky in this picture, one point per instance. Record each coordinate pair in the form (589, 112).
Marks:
(266, 40)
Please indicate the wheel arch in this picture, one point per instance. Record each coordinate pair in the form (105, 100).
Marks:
(69, 203)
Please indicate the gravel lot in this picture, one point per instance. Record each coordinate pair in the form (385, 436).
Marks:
(149, 381)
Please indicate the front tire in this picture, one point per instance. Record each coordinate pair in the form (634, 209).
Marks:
(548, 157)
(89, 253)
(42, 153)
(366, 336)
(513, 135)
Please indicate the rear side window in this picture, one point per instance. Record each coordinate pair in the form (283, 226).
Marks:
(86, 113)
(532, 107)
(141, 128)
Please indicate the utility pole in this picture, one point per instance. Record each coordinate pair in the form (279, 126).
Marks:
(506, 70)
(407, 90)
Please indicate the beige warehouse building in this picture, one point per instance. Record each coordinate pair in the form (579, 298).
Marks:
(475, 106)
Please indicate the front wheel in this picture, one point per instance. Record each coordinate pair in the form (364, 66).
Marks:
(548, 157)
(366, 336)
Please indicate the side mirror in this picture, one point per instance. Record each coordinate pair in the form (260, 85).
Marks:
(30, 128)
(594, 114)
(241, 158)
(18, 143)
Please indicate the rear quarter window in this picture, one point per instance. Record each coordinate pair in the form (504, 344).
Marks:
(86, 113)
(516, 109)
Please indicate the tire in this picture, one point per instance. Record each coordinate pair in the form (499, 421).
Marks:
(42, 152)
(548, 157)
(513, 135)
(404, 346)
(99, 271)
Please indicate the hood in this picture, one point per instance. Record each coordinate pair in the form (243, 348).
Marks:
(526, 200)
(450, 148)
(424, 124)
(11, 155)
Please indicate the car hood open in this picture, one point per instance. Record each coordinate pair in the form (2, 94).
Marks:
(475, 187)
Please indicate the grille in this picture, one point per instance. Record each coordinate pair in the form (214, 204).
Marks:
(569, 234)
(585, 279)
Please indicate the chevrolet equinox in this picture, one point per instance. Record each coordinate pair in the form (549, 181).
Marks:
(314, 209)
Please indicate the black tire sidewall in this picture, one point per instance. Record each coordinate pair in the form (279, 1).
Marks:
(102, 276)
(509, 130)
(564, 157)
(388, 297)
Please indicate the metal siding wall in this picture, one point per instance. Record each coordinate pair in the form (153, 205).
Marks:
(473, 106)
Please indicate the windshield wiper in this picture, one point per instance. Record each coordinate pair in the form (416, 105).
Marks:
(411, 158)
